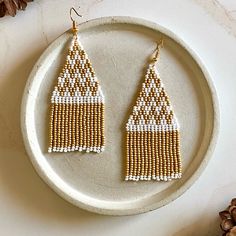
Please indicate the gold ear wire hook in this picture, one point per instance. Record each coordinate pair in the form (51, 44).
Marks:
(74, 27)
(159, 46)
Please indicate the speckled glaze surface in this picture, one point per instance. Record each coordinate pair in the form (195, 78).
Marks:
(119, 48)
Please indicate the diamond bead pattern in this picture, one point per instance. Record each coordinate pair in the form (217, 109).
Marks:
(153, 150)
(77, 106)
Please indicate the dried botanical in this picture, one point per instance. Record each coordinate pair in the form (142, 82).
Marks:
(10, 7)
(228, 217)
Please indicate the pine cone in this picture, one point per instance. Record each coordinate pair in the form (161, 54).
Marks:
(228, 217)
(10, 7)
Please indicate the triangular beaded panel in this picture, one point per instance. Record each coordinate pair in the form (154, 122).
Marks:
(153, 150)
(77, 106)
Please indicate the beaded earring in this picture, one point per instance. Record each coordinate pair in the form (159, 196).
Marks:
(153, 148)
(77, 104)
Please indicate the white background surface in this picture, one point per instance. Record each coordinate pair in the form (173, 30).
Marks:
(28, 206)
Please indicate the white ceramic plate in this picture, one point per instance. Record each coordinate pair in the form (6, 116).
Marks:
(119, 48)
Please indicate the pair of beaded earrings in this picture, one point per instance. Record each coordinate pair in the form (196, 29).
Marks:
(77, 118)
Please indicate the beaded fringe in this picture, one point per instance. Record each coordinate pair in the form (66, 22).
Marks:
(77, 127)
(77, 106)
(153, 155)
(152, 140)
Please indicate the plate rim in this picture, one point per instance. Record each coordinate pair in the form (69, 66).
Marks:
(196, 174)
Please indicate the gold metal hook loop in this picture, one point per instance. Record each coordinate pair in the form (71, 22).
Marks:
(160, 45)
(73, 9)
(74, 26)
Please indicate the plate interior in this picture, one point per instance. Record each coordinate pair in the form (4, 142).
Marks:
(119, 54)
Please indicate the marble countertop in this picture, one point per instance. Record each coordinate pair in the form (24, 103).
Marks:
(28, 206)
